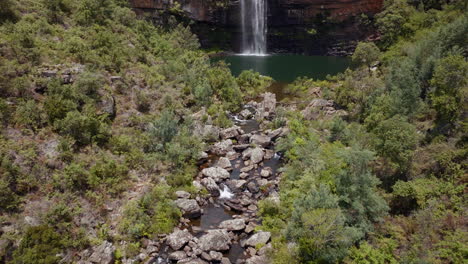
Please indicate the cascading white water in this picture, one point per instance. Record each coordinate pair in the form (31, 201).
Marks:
(254, 30)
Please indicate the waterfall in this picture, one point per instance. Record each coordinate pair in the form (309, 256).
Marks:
(253, 26)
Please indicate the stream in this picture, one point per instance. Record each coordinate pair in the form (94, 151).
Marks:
(238, 171)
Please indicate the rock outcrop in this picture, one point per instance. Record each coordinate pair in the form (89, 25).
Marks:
(335, 23)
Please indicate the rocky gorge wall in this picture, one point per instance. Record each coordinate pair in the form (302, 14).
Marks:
(297, 26)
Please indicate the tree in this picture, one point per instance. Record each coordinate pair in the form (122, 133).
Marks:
(391, 21)
(404, 86)
(366, 53)
(396, 139)
(318, 225)
(450, 88)
(162, 130)
(356, 187)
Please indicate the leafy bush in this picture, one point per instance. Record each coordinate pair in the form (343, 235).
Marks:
(83, 128)
(29, 114)
(153, 214)
(40, 244)
(252, 83)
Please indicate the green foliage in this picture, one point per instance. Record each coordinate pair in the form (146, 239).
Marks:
(300, 86)
(29, 115)
(109, 173)
(153, 214)
(252, 83)
(392, 22)
(318, 225)
(162, 130)
(8, 11)
(450, 88)
(93, 11)
(84, 128)
(358, 91)
(366, 53)
(367, 254)
(396, 139)
(40, 244)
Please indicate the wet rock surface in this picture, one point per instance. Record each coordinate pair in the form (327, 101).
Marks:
(218, 226)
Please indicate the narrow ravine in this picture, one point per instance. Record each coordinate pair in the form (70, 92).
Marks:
(237, 171)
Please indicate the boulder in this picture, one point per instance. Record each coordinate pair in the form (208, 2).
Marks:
(320, 108)
(247, 153)
(216, 173)
(267, 106)
(260, 140)
(257, 239)
(274, 133)
(216, 256)
(207, 131)
(237, 184)
(224, 163)
(177, 255)
(211, 186)
(182, 194)
(103, 253)
(257, 260)
(225, 261)
(231, 132)
(233, 225)
(192, 261)
(266, 172)
(241, 147)
(256, 155)
(178, 239)
(189, 207)
(217, 240)
(222, 148)
(245, 114)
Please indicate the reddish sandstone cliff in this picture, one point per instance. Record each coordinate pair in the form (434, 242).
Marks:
(288, 22)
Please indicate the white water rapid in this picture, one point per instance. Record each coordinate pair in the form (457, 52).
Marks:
(254, 29)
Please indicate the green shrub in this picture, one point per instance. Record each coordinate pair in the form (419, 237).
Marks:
(29, 115)
(109, 173)
(40, 244)
(252, 83)
(83, 128)
(73, 177)
(154, 213)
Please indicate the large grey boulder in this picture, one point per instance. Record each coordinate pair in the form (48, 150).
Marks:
(257, 239)
(224, 163)
(211, 186)
(267, 106)
(222, 148)
(189, 207)
(103, 253)
(207, 131)
(178, 239)
(257, 260)
(217, 240)
(216, 173)
(260, 140)
(192, 261)
(231, 132)
(256, 156)
(233, 225)
(177, 255)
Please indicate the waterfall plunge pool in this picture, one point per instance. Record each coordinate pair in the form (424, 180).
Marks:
(285, 68)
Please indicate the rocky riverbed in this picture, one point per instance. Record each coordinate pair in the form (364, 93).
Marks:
(239, 169)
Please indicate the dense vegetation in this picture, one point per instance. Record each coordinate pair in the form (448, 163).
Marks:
(96, 110)
(97, 117)
(387, 183)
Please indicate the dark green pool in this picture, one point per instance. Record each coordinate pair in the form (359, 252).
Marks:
(286, 68)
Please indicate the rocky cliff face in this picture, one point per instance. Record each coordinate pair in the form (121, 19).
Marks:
(299, 26)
